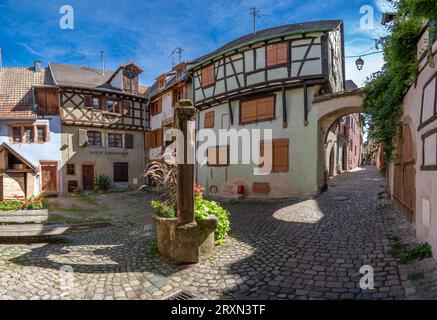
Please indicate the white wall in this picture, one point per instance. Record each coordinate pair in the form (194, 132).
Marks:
(34, 153)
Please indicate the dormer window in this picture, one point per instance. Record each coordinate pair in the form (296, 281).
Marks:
(161, 84)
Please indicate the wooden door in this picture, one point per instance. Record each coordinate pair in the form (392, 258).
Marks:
(404, 189)
(49, 178)
(88, 177)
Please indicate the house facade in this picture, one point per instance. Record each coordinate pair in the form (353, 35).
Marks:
(268, 81)
(413, 174)
(102, 119)
(30, 143)
(164, 95)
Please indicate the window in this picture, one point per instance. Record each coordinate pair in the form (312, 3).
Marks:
(115, 140)
(208, 77)
(257, 110)
(161, 83)
(112, 106)
(209, 120)
(156, 108)
(121, 172)
(16, 134)
(41, 133)
(95, 103)
(277, 54)
(129, 141)
(218, 156)
(127, 107)
(280, 154)
(94, 139)
(178, 95)
(29, 134)
(71, 169)
(154, 139)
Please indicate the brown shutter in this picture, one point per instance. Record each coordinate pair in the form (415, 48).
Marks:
(103, 102)
(271, 55)
(248, 111)
(282, 53)
(87, 101)
(149, 139)
(52, 99)
(129, 141)
(41, 101)
(159, 106)
(280, 156)
(159, 138)
(209, 119)
(265, 108)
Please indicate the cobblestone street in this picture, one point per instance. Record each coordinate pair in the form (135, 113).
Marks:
(311, 249)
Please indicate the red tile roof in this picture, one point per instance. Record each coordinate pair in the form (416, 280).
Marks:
(16, 99)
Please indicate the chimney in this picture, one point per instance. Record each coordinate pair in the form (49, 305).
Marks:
(37, 66)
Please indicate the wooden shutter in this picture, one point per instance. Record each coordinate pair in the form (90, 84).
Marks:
(208, 76)
(159, 138)
(83, 137)
(271, 55)
(41, 101)
(265, 108)
(209, 119)
(52, 99)
(248, 111)
(121, 172)
(149, 140)
(159, 106)
(129, 141)
(103, 103)
(280, 156)
(282, 53)
(88, 101)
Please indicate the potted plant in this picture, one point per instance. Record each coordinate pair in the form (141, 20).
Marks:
(22, 210)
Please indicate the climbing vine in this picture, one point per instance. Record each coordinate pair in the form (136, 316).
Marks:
(385, 89)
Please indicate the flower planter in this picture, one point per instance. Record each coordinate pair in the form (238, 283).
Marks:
(24, 216)
(33, 230)
(173, 240)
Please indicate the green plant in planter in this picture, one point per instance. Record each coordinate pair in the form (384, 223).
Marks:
(204, 208)
(11, 205)
(163, 209)
(185, 103)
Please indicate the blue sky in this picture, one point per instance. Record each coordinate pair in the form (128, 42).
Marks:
(148, 31)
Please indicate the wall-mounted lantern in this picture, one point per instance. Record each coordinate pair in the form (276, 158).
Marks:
(359, 63)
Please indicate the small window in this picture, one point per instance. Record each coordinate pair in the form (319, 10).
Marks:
(95, 103)
(94, 139)
(178, 95)
(218, 156)
(208, 77)
(42, 134)
(161, 83)
(115, 140)
(112, 106)
(16, 134)
(29, 135)
(156, 108)
(127, 107)
(277, 54)
(121, 172)
(71, 169)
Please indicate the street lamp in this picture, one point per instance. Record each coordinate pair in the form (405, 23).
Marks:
(359, 63)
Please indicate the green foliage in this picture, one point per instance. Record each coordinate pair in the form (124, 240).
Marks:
(152, 247)
(33, 203)
(163, 209)
(385, 89)
(103, 183)
(204, 208)
(407, 253)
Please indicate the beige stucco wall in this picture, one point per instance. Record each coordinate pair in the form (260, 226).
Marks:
(305, 163)
(102, 158)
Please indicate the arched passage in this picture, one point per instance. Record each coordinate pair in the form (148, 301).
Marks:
(329, 110)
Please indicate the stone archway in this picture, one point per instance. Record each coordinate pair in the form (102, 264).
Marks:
(330, 108)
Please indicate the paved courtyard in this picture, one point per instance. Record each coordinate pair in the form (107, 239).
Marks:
(311, 249)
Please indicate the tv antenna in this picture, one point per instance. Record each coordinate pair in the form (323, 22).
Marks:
(178, 51)
(256, 14)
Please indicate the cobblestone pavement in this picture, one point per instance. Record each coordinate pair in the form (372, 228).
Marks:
(311, 249)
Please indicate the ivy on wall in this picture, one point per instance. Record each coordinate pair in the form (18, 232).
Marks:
(385, 89)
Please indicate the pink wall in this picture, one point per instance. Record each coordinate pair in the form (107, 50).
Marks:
(355, 141)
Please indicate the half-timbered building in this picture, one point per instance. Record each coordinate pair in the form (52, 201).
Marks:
(30, 142)
(164, 95)
(102, 118)
(268, 80)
